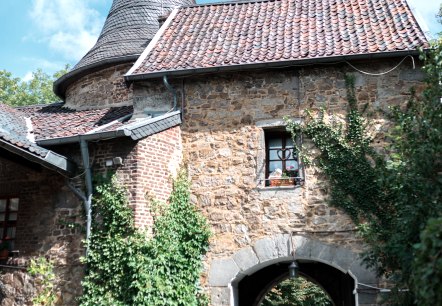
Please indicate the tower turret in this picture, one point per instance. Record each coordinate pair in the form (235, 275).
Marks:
(129, 27)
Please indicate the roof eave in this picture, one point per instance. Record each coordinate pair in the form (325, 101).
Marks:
(264, 65)
(53, 161)
(87, 137)
(129, 131)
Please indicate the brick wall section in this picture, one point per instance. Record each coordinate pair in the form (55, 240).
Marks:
(100, 89)
(148, 167)
(47, 208)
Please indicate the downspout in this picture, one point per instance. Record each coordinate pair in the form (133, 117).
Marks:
(172, 90)
(87, 197)
(88, 180)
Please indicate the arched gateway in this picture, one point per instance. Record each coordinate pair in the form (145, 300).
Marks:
(245, 277)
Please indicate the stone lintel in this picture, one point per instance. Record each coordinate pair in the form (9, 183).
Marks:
(245, 258)
(222, 271)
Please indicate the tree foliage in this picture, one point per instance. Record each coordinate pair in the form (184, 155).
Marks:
(391, 198)
(38, 90)
(296, 292)
(125, 267)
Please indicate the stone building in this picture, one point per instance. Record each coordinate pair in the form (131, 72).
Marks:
(210, 89)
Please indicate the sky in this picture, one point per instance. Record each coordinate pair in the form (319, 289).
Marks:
(49, 34)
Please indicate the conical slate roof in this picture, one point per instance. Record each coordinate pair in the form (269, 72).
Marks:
(128, 29)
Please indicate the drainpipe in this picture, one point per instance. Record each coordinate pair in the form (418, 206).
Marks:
(172, 90)
(88, 179)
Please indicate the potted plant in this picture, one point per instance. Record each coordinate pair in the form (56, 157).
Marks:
(275, 178)
(287, 179)
(4, 248)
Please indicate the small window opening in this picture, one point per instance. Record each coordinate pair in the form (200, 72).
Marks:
(282, 164)
(8, 222)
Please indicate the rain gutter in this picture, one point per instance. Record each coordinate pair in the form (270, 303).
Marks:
(51, 161)
(86, 137)
(279, 64)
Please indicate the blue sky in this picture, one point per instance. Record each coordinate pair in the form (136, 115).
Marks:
(48, 34)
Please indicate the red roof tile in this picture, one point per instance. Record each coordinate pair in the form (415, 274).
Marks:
(242, 33)
(54, 120)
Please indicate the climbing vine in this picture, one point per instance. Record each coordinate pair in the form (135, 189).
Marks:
(43, 271)
(125, 267)
(390, 197)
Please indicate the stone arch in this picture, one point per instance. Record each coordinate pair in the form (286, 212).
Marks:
(225, 274)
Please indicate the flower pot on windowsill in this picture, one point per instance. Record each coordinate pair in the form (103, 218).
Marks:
(4, 254)
(275, 182)
(288, 181)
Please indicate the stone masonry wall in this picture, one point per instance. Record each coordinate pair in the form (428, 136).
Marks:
(100, 89)
(223, 141)
(48, 224)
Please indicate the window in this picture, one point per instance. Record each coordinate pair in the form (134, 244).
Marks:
(282, 168)
(8, 219)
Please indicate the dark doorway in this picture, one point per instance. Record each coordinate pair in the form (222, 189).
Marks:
(338, 285)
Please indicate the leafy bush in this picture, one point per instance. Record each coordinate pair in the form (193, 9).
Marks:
(125, 267)
(296, 292)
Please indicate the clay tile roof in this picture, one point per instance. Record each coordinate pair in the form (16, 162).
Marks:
(56, 121)
(243, 33)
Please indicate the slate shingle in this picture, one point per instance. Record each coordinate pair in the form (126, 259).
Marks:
(129, 27)
(13, 129)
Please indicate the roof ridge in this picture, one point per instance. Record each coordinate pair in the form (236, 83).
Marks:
(226, 3)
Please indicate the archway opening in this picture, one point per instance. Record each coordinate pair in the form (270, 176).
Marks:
(338, 286)
(296, 292)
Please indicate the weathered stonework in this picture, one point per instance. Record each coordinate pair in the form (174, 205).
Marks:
(103, 88)
(223, 145)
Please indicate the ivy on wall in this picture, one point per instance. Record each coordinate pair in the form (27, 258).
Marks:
(125, 267)
(390, 197)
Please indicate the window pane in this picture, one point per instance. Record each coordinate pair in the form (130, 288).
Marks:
(12, 217)
(291, 165)
(10, 232)
(2, 205)
(13, 204)
(274, 155)
(275, 143)
(2, 217)
(289, 143)
(275, 165)
(291, 154)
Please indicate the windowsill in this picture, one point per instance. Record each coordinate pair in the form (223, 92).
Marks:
(270, 188)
